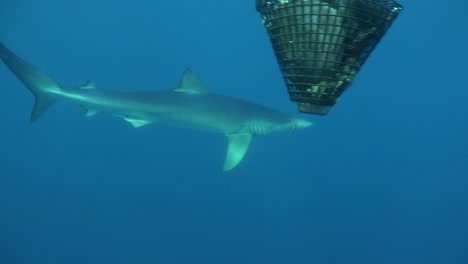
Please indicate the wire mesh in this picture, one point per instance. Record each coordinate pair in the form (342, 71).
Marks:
(320, 45)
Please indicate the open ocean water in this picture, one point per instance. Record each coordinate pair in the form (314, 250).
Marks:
(382, 179)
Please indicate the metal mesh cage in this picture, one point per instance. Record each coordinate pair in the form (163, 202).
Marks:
(320, 45)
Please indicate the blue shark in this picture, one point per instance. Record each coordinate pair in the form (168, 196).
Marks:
(190, 106)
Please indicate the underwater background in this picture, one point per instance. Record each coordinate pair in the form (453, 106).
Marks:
(382, 178)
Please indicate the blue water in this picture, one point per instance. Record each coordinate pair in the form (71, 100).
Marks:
(382, 179)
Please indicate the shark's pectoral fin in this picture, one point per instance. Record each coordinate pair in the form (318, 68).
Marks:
(136, 122)
(238, 145)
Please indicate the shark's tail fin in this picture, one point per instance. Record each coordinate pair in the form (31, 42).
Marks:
(43, 87)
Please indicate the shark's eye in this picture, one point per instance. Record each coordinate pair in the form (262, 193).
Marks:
(294, 127)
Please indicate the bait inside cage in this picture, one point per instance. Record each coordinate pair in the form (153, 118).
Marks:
(320, 45)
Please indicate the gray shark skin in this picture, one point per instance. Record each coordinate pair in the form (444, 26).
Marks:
(188, 106)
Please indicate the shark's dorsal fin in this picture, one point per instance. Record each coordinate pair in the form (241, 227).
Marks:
(88, 86)
(136, 122)
(190, 84)
(238, 146)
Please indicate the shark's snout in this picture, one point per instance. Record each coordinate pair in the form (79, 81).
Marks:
(302, 123)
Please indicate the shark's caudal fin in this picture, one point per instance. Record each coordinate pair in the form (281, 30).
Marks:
(40, 84)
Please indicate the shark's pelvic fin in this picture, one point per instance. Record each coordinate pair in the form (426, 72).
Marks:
(88, 86)
(190, 83)
(136, 122)
(39, 83)
(88, 111)
(238, 145)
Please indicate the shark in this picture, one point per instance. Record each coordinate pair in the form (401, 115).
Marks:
(189, 106)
